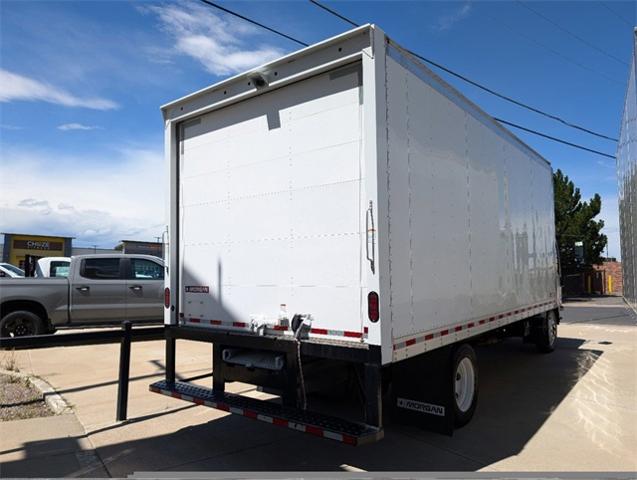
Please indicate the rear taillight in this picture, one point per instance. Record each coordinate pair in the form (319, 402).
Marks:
(167, 297)
(372, 306)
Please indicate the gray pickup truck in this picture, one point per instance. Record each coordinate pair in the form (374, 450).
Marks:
(99, 290)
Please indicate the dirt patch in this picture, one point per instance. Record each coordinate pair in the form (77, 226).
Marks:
(19, 399)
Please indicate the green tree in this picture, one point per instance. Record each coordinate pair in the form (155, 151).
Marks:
(574, 222)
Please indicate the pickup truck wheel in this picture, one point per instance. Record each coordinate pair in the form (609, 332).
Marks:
(546, 332)
(465, 384)
(21, 323)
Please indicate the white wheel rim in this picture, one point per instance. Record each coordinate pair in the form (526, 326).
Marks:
(551, 325)
(464, 384)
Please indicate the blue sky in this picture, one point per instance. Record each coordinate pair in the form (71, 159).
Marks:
(82, 82)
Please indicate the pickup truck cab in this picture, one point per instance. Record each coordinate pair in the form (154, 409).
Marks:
(99, 290)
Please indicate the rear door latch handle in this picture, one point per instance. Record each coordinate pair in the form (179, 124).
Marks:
(83, 289)
(136, 288)
(370, 240)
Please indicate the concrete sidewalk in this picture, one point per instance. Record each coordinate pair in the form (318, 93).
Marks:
(575, 409)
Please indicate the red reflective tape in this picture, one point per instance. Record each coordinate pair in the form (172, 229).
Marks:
(223, 406)
(319, 331)
(215, 322)
(349, 440)
(501, 316)
(481, 322)
(509, 314)
(238, 324)
(198, 401)
(470, 325)
(458, 328)
(409, 342)
(517, 311)
(353, 334)
(249, 414)
(175, 395)
(314, 430)
(281, 422)
(194, 320)
(280, 327)
(366, 330)
(444, 332)
(429, 336)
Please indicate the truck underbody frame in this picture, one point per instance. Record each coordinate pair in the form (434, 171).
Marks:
(289, 411)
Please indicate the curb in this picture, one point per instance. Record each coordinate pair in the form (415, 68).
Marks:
(53, 399)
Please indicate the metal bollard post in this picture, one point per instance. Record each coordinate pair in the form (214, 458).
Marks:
(124, 372)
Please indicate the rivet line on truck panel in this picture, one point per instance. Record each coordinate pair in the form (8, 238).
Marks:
(470, 325)
(301, 427)
(282, 328)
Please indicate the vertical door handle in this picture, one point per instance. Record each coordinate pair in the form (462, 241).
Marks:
(370, 234)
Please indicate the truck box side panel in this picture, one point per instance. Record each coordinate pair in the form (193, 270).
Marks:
(271, 207)
(470, 214)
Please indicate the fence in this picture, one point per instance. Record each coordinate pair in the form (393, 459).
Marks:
(125, 336)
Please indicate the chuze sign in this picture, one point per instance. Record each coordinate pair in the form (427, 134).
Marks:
(37, 245)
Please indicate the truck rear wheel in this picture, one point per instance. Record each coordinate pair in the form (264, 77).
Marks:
(21, 323)
(546, 332)
(465, 384)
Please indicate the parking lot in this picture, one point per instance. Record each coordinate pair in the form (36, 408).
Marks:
(574, 409)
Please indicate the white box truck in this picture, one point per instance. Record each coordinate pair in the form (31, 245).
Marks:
(343, 206)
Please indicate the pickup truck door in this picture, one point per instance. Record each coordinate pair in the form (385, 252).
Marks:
(98, 291)
(144, 290)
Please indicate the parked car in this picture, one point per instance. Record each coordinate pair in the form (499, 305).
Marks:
(8, 270)
(99, 290)
(53, 267)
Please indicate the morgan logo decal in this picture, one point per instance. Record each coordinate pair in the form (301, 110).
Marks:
(197, 289)
(421, 407)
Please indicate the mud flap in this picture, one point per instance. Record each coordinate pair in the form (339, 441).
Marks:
(422, 391)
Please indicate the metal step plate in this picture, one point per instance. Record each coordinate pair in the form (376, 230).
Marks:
(301, 420)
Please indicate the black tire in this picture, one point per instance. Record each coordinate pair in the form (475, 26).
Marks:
(546, 332)
(21, 323)
(464, 382)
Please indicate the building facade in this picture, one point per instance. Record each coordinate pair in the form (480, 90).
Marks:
(23, 250)
(627, 178)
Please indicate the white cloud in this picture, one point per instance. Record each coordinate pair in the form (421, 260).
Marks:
(445, 22)
(218, 44)
(98, 200)
(77, 126)
(5, 126)
(18, 87)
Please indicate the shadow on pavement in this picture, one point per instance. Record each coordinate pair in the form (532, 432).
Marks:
(519, 390)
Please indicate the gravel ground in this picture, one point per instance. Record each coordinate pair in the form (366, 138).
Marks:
(19, 399)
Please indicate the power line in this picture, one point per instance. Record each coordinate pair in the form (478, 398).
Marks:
(568, 32)
(207, 2)
(511, 100)
(615, 13)
(254, 22)
(335, 13)
(548, 48)
(555, 139)
(478, 85)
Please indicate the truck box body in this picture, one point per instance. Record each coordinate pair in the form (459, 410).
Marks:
(354, 170)
(345, 206)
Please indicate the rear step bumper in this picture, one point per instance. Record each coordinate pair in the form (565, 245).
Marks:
(301, 420)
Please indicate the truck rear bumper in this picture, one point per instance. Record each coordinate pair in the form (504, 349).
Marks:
(306, 421)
